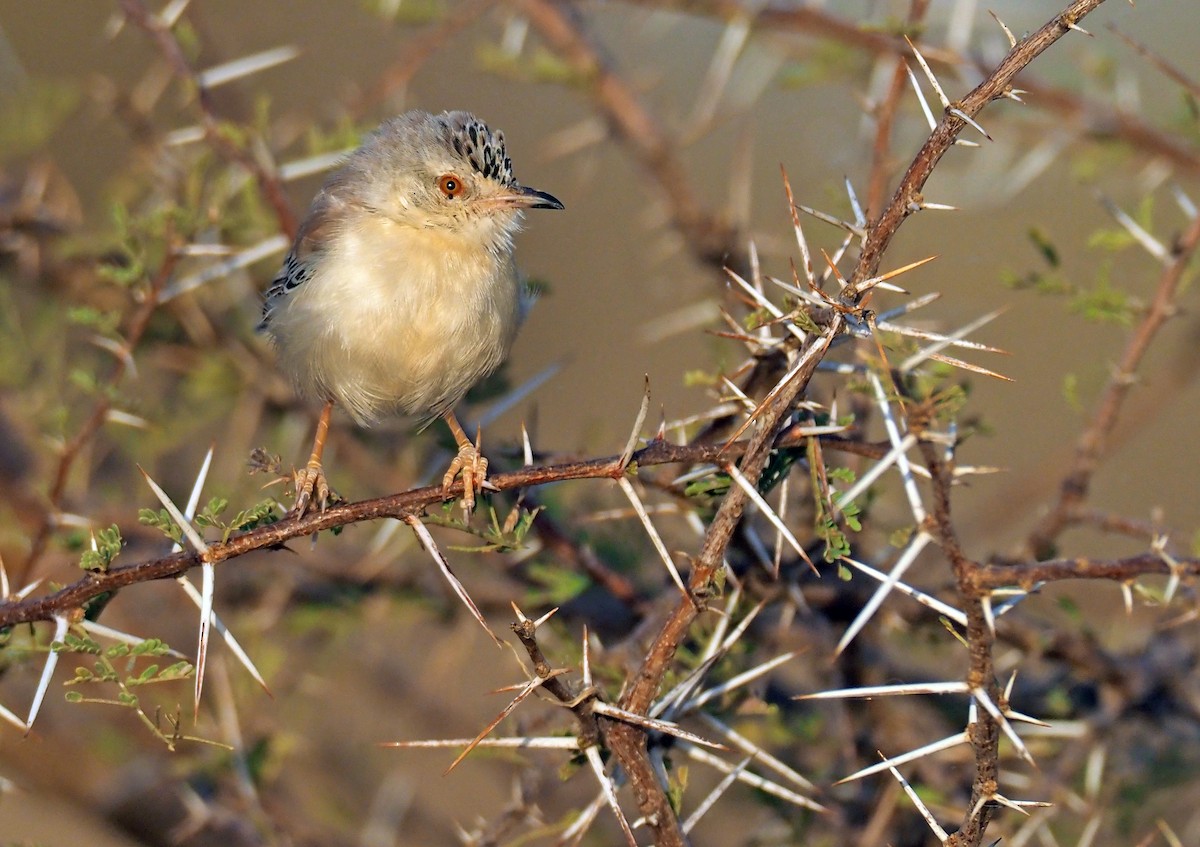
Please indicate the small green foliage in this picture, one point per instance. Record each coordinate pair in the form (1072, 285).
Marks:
(210, 515)
(844, 573)
(555, 585)
(900, 537)
(84, 380)
(757, 318)
(1118, 238)
(497, 537)
(263, 513)
(163, 522)
(711, 486)
(1042, 283)
(107, 547)
(1069, 607)
(844, 475)
(801, 318)
(31, 111)
(700, 379)
(538, 65)
(1070, 389)
(837, 545)
(103, 322)
(73, 643)
(676, 787)
(1045, 247)
(1105, 303)
(827, 59)
(850, 513)
(121, 665)
(143, 241)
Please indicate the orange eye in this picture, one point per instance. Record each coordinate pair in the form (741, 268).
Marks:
(451, 186)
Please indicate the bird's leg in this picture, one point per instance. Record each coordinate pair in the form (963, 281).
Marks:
(311, 480)
(469, 461)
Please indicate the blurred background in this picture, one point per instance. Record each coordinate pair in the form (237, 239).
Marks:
(357, 637)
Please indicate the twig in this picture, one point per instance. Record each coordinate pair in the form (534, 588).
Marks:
(712, 240)
(138, 322)
(1073, 490)
(907, 195)
(399, 506)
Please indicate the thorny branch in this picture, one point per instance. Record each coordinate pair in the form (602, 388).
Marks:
(268, 181)
(713, 240)
(395, 506)
(139, 320)
(1089, 450)
(906, 198)
(629, 743)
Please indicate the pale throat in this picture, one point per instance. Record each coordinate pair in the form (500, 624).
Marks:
(430, 276)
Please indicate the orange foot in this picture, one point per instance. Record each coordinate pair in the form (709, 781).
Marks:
(311, 485)
(473, 467)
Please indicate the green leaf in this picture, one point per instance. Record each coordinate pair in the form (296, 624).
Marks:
(162, 521)
(31, 111)
(107, 546)
(1105, 303)
(558, 585)
(1045, 247)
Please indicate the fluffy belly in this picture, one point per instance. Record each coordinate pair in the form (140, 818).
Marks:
(420, 368)
(380, 340)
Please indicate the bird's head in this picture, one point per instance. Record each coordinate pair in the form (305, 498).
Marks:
(447, 171)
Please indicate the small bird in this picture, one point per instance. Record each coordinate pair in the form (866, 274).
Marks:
(400, 292)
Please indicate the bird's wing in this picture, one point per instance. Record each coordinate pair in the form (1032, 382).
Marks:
(327, 210)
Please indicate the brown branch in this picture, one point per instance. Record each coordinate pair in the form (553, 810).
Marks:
(713, 240)
(139, 320)
(984, 732)
(400, 505)
(1028, 574)
(907, 195)
(628, 742)
(579, 703)
(885, 116)
(1073, 490)
(268, 181)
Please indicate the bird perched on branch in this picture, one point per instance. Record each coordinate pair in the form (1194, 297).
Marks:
(400, 291)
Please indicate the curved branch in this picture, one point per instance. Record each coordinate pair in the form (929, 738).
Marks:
(74, 596)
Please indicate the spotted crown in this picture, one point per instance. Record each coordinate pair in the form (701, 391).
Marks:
(483, 148)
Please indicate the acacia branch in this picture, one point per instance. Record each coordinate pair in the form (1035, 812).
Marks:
(906, 198)
(711, 239)
(72, 597)
(628, 742)
(138, 322)
(267, 179)
(1073, 490)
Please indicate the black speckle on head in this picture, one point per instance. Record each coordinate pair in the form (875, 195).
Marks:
(482, 148)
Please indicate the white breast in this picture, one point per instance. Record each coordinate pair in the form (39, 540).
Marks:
(398, 318)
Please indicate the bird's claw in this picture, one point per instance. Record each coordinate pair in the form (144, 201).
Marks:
(473, 466)
(311, 485)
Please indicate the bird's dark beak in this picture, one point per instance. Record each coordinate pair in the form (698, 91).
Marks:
(530, 198)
